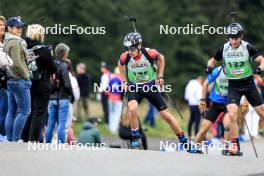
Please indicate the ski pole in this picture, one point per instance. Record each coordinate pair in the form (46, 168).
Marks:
(133, 21)
(252, 142)
(170, 101)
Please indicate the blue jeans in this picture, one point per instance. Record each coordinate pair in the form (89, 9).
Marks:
(19, 107)
(3, 110)
(58, 112)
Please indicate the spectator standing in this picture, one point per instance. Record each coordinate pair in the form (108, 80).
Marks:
(193, 94)
(115, 100)
(41, 67)
(84, 81)
(18, 84)
(61, 96)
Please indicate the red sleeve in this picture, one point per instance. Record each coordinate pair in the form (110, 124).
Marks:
(122, 59)
(154, 54)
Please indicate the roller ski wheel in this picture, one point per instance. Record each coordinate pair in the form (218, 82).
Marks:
(229, 153)
(199, 151)
(196, 151)
(234, 150)
(191, 147)
(225, 152)
(135, 144)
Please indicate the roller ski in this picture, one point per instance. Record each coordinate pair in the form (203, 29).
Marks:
(229, 153)
(136, 142)
(188, 144)
(233, 150)
(194, 148)
(196, 151)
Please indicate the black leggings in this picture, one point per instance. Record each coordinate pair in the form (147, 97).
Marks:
(39, 109)
(247, 87)
(154, 97)
(104, 102)
(195, 117)
(214, 110)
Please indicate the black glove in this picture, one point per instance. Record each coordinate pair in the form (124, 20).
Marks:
(72, 99)
(257, 71)
(208, 70)
(2, 73)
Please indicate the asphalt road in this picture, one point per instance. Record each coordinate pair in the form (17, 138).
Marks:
(16, 159)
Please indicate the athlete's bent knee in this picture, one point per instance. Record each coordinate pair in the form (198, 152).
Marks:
(132, 108)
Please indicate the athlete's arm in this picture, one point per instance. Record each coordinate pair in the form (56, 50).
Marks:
(161, 65)
(202, 105)
(257, 56)
(260, 60)
(210, 79)
(122, 66)
(212, 62)
(156, 56)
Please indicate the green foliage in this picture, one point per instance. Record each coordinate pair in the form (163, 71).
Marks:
(186, 55)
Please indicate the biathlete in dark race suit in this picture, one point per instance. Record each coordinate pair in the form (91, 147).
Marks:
(141, 80)
(217, 109)
(237, 55)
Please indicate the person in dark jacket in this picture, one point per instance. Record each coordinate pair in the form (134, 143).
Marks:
(41, 85)
(84, 81)
(90, 135)
(61, 95)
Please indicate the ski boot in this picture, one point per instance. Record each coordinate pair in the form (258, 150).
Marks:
(195, 151)
(136, 142)
(189, 145)
(194, 148)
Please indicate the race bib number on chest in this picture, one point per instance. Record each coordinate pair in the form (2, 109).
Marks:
(140, 71)
(237, 61)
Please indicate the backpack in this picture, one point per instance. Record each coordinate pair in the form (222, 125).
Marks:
(34, 72)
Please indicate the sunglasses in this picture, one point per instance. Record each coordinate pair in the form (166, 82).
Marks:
(131, 48)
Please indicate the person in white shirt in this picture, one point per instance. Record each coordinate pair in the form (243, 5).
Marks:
(193, 94)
